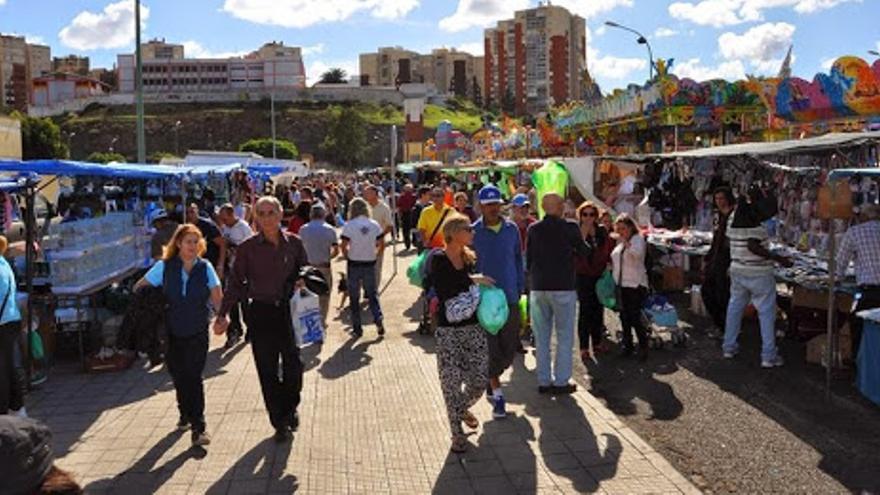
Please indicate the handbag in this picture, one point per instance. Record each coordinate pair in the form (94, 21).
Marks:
(463, 306)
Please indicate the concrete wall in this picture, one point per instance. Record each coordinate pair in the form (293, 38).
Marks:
(10, 138)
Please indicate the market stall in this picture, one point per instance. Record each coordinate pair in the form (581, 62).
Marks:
(798, 174)
(96, 234)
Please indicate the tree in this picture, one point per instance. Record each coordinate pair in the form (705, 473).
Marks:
(346, 139)
(335, 75)
(41, 138)
(284, 149)
(476, 93)
(105, 157)
(508, 104)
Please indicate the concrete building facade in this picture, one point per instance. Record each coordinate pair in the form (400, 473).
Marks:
(10, 138)
(273, 66)
(450, 71)
(60, 88)
(71, 64)
(535, 60)
(20, 62)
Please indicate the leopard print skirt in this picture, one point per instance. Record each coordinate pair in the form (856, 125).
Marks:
(463, 362)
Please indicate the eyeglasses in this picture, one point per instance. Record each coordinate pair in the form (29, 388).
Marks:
(588, 214)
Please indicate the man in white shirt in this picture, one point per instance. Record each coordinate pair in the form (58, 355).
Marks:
(235, 231)
(362, 244)
(381, 213)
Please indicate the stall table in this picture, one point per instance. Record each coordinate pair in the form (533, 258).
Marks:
(868, 377)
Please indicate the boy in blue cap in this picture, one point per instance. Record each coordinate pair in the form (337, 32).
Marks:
(499, 256)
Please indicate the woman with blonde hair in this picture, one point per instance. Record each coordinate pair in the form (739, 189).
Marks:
(462, 352)
(189, 282)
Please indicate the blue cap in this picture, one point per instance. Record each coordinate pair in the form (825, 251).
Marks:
(520, 200)
(490, 194)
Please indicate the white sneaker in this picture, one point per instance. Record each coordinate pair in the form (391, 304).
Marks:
(21, 413)
(729, 355)
(773, 363)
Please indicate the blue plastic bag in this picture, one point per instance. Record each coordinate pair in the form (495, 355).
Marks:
(493, 310)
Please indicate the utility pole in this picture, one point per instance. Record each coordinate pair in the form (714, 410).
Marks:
(139, 85)
(272, 110)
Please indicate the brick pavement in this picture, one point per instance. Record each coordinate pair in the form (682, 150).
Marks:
(372, 421)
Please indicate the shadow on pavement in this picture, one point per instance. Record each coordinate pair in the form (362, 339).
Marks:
(145, 476)
(619, 382)
(260, 470)
(351, 356)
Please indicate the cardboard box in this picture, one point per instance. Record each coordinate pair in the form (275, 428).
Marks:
(673, 278)
(816, 349)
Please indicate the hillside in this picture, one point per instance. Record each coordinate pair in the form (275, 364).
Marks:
(225, 126)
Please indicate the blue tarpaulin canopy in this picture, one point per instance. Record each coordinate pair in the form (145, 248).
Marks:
(121, 170)
(846, 173)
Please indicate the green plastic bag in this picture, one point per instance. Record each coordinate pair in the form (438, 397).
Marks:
(492, 311)
(524, 312)
(551, 177)
(416, 270)
(35, 342)
(606, 291)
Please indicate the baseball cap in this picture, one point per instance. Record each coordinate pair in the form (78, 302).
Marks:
(490, 194)
(160, 214)
(520, 200)
(25, 453)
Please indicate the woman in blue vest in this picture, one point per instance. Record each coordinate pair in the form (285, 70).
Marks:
(188, 282)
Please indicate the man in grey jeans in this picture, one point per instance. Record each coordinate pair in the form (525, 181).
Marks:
(552, 244)
(319, 239)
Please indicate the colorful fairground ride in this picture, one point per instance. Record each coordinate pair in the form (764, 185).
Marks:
(670, 114)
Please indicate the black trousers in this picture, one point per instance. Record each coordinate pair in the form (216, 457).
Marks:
(716, 295)
(186, 363)
(868, 298)
(11, 394)
(272, 341)
(631, 316)
(590, 312)
(406, 221)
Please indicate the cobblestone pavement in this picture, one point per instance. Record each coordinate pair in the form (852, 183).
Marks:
(372, 421)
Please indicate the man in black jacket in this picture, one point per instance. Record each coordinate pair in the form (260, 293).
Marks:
(551, 247)
(716, 281)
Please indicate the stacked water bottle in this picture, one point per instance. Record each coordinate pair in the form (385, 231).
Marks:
(86, 251)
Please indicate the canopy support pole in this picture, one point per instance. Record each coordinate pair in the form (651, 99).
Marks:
(29, 255)
(832, 307)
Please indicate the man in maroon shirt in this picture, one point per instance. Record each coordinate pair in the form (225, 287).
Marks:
(405, 204)
(265, 265)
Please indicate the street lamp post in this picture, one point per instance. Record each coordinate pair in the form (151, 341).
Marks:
(177, 139)
(112, 142)
(642, 40)
(69, 149)
(874, 53)
(139, 85)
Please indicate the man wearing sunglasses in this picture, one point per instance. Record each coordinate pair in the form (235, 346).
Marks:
(264, 266)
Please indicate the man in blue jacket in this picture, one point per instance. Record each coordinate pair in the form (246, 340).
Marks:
(499, 256)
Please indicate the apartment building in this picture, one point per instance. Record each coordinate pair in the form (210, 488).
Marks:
(535, 60)
(273, 66)
(450, 71)
(20, 62)
(71, 64)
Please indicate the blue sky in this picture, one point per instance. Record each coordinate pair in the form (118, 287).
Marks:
(707, 38)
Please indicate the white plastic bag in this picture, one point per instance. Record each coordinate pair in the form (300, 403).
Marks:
(305, 314)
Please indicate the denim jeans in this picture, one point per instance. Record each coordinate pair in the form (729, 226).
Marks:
(362, 275)
(761, 292)
(551, 308)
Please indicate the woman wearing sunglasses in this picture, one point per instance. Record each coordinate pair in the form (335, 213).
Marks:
(589, 270)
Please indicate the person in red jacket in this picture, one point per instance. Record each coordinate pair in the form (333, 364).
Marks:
(589, 271)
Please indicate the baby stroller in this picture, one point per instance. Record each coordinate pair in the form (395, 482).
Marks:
(661, 319)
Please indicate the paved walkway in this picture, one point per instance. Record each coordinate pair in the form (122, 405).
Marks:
(372, 421)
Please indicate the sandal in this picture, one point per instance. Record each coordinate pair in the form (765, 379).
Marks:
(459, 444)
(470, 420)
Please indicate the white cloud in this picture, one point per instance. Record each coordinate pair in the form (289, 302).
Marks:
(761, 45)
(601, 30)
(480, 13)
(665, 32)
(693, 69)
(194, 49)
(313, 49)
(304, 13)
(2, 3)
(589, 9)
(319, 67)
(828, 63)
(476, 49)
(111, 28)
(719, 13)
(771, 67)
(611, 67)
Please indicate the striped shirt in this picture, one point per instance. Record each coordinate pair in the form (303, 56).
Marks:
(861, 244)
(742, 260)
